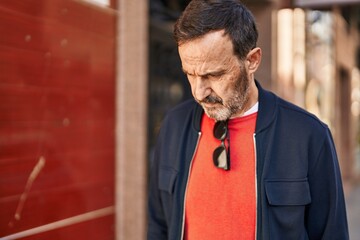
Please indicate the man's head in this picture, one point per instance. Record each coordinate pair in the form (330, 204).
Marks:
(203, 16)
(217, 47)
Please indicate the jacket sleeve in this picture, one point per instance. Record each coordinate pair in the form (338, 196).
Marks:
(157, 226)
(326, 215)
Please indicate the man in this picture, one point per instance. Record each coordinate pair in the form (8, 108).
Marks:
(239, 162)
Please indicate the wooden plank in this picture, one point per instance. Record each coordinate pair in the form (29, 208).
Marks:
(54, 39)
(32, 141)
(54, 104)
(63, 52)
(24, 68)
(45, 207)
(59, 170)
(101, 228)
(67, 12)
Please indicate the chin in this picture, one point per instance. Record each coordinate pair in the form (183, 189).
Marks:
(218, 114)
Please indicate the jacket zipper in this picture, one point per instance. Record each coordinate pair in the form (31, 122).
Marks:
(187, 183)
(256, 187)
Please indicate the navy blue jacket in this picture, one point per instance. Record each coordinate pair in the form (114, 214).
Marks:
(299, 190)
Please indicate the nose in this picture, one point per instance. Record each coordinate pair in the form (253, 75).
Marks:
(201, 88)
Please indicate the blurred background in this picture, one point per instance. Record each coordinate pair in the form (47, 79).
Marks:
(85, 84)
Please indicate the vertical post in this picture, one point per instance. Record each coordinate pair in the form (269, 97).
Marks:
(344, 62)
(131, 123)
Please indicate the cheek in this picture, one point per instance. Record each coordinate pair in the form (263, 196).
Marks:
(221, 90)
(226, 87)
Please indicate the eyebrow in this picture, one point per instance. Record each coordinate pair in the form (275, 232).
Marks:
(184, 71)
(213, 73)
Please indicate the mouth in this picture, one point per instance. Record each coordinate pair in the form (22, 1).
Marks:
(210, 104)
(211, 101)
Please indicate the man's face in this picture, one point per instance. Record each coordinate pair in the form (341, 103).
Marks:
(219, 80)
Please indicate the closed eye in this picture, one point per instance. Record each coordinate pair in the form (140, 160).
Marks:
(213, 75)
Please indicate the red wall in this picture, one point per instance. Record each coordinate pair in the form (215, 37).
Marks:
(57, 81)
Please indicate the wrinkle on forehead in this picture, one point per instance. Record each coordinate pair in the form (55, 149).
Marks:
(212, 52)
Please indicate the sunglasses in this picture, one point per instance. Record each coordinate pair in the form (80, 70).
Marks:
(221, 155)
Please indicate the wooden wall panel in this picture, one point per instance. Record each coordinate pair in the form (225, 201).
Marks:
(94, 230)
(57, 119)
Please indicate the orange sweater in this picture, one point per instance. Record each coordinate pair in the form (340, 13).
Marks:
(222, 204)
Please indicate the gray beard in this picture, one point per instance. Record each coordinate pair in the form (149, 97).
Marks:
(236, 104)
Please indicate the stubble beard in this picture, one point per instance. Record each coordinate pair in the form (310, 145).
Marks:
(236, 104)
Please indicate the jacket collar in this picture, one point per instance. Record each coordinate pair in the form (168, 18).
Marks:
(267, 108)
(199, 111)
(266, 113)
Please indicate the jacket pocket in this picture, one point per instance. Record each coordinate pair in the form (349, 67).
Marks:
(167, 179)
(287, 200)
(288, 193)
(166, 184)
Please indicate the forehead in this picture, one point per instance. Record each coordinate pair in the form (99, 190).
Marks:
(212, 48)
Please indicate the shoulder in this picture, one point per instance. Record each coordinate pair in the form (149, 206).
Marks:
(181, 111)
(299, 121)
(183, 107)
(183, 114)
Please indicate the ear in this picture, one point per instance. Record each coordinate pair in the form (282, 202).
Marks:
(253, 60)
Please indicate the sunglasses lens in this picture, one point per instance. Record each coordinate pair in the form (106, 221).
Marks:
(220, 130)
(220, 157)
(220, 154)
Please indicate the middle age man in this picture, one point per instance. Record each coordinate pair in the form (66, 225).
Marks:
(239, 162)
